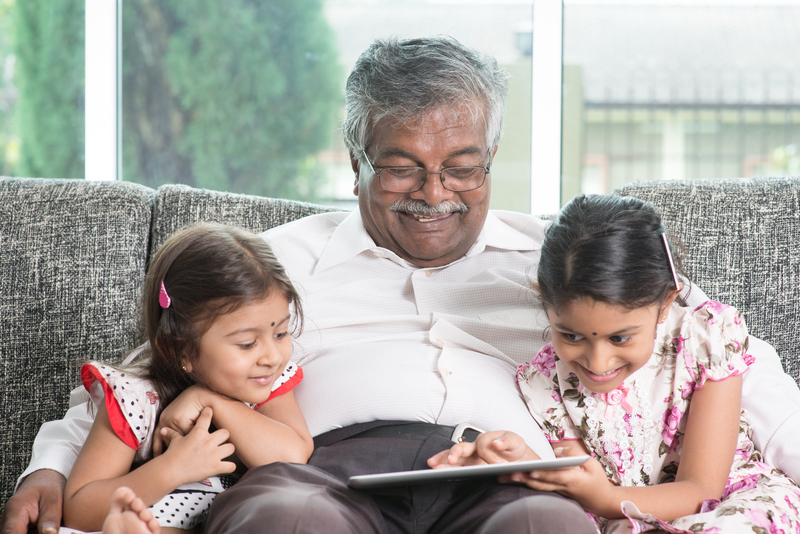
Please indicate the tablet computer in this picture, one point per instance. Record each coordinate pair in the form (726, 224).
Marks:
(446, 474)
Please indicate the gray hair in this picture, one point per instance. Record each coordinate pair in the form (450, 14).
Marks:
(408, 79)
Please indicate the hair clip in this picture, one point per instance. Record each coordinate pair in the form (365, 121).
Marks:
(163, 298)
(671, 264)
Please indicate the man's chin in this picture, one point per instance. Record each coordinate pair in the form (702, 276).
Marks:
(438, 254)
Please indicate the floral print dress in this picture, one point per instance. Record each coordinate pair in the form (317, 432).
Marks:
(636, 431)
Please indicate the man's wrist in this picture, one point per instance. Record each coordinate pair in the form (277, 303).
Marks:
(44, 476)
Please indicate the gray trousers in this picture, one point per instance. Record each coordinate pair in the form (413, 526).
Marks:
(292, 498)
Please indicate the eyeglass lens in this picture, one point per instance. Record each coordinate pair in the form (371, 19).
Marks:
(410, 179)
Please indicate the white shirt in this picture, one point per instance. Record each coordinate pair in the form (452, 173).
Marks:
(384, 339)
(387, 340)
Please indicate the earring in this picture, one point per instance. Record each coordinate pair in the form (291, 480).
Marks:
(184, 368)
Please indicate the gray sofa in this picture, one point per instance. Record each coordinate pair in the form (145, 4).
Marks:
(73, 256)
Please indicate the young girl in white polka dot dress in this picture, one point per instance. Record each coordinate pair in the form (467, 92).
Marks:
(218, 322)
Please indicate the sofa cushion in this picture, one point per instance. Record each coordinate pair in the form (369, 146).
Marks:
(742, 247)
(178, 206)
(71, 270)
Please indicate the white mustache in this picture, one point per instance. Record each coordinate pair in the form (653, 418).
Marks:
(420, 207)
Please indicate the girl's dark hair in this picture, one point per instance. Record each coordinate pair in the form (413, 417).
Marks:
(607, 248)
(208, 270)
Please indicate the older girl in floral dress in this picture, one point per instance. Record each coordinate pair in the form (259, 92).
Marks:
(650, 389)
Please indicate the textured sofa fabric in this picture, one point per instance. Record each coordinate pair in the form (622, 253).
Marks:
(72, 259)
(178, 206)
(741, 240)
(73, 256)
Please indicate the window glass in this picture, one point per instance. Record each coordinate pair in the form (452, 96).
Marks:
(247, 96)
(42, 88)
(678, 90)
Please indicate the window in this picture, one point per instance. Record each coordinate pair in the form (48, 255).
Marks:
(246, 95)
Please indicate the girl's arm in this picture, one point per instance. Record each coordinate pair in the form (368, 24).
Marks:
(709, 444)
(276, 432)
(104, 464)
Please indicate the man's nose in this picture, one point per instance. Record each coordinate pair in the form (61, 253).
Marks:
(433, 191)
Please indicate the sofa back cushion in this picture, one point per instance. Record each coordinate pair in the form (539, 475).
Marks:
(178, 206)
(71, 272)
(742, 247)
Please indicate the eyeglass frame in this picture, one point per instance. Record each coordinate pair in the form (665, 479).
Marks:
(372, 168)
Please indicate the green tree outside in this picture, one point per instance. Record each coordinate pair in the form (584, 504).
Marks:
(9, 143)
(49, 74)
(237, 95)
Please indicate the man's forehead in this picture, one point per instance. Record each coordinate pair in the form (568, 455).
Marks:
(443, 122)
(438, 118)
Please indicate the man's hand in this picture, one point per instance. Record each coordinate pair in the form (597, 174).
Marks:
(180, 416)
(489, 448)
(37, 502)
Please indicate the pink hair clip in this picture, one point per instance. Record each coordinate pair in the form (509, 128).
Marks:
(163, 298)
(671, 263)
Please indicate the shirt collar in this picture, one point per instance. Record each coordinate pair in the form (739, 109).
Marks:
(350, 239)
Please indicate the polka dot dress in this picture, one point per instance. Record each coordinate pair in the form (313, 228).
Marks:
(186, 507)
(133, 405)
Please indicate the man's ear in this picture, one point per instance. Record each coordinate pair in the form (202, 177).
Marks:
(356, 165)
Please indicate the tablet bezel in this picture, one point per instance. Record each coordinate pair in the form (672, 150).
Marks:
(448, 474)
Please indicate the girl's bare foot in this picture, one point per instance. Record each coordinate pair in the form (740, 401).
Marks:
(128, 515)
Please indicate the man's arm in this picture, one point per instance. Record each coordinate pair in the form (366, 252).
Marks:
(771, 399)
(40, 489)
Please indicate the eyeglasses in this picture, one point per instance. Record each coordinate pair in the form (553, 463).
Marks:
(411, 179)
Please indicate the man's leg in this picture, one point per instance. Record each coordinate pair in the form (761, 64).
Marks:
(546, 513)
(284, 498)
(467, 507)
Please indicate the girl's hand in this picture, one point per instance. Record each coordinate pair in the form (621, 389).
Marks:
(199, 454)
(587, 484)
(180, 416)
(488, 448)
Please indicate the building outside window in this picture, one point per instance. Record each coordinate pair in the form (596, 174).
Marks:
(664, 91)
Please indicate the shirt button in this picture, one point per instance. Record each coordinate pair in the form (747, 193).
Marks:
(377, 254)
(445, 372)
(428, 273)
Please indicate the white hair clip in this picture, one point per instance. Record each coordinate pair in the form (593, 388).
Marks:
(671, 263)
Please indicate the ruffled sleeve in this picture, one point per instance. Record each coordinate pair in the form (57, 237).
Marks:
(290, 377)
(715, 343)
(539, 384)
(132, 403)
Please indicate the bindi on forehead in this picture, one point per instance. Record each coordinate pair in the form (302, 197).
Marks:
(594, 333)
(273, 323)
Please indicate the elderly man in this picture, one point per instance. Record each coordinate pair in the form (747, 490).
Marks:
(418, 311)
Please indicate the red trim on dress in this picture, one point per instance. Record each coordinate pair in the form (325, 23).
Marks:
(91, 374)
(287, 386)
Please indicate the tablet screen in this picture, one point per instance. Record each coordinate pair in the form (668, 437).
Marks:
(445, 474)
